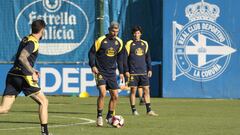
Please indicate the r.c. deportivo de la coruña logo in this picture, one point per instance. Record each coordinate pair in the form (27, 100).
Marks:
(201, 48)
(67, 25)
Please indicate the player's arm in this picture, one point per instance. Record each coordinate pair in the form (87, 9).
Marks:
(120, 63)
(24, 61)
(125, 62)
(23, 58)
(91, 57)
(126, 56)
(148, 61)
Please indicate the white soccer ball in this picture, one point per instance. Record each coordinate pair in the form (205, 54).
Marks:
(117, 121)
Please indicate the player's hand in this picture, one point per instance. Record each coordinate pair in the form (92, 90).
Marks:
(95, 70)
(149, 74)
(35, 77)
(127, 74)
(37, 72)
(122, 77)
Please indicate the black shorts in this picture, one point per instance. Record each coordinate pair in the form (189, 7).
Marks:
(109, 81)
(138, 80)
(15, 84)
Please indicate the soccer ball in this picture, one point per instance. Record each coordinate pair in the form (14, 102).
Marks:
(117, 121)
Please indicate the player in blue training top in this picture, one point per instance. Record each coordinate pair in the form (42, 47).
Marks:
(23, 77)
(104, 57)
(138, 69)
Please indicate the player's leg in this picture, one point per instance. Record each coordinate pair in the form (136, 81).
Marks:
(7, 102)
(146, 94)
(31, 89)
(144, 82)
(133, 95)
(101, 97)
(101, 84)
(133, 100)
(133, 83)
(113, 87)
(42, 101)
(100, 104)
(112, 103)
(147, 101)
(13, 86)
(140, 94)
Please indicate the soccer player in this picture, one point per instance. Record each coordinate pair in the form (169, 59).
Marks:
(137, 67)
(23, 77)
(104, 55)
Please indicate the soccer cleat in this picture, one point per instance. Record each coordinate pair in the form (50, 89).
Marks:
(99, 121)
(141, 102)
(135, 113)
(109, 121)
(152, 113)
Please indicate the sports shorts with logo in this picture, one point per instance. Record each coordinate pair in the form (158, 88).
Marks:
(138, 80)
(109, 80)
(16, 84)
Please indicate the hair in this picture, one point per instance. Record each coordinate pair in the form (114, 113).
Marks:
(114, 25)
(136, 28)
(37, 25)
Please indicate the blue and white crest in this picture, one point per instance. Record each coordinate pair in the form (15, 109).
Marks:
(52, 5)
(201, 48)
(66, 29)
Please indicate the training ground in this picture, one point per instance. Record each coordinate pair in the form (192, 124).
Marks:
(76, 116)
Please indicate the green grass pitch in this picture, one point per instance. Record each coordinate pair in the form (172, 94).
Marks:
(76, 116)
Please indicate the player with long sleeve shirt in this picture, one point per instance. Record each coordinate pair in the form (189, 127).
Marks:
(137, 65)
(105, 56)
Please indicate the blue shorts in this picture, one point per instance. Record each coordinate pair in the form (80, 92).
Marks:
(138, 80)
(16, 84)
(109, 81)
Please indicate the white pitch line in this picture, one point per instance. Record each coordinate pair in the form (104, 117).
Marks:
(88, 121)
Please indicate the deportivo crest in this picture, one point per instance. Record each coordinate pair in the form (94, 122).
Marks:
(139, 52)
(201, 48)
(110, 52)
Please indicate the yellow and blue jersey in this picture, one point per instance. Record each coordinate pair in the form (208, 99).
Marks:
(137, 59)
(29, 43)
(106, 54)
